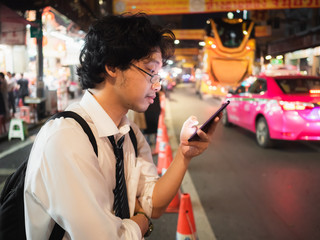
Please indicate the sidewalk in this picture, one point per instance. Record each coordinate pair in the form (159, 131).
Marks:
(31, 126)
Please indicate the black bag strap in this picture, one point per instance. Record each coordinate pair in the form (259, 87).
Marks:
(58, 232)
(134, 140)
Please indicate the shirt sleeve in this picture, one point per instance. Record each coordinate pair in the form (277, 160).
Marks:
(148, 173)
(70, 187)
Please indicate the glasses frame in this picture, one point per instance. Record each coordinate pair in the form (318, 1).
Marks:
(152, 76)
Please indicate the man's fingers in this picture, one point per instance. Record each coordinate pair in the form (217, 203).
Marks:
(203, 136)
(214, 125)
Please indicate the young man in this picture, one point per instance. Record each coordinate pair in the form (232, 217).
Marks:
(66, 182)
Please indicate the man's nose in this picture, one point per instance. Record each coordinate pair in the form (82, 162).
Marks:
(156, 86)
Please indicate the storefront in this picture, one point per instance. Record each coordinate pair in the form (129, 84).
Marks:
(13, 54)
(62, 41)
(301, 51)
(61, 44)
(307, 60)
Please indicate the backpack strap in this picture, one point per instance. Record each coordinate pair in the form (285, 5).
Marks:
(57, 231)
(133, 140)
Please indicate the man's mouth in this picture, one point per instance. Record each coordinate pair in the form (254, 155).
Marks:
(151, 98)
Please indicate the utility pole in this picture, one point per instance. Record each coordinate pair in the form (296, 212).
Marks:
(39, 101)
(40, 85)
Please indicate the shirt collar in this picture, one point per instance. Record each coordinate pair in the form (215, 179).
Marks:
(104, 124)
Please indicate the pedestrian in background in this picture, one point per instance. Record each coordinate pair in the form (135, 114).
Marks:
(23, 90)
(4, 108)
(152, 118)
(138, 118)
(67, 183)
(12, 82)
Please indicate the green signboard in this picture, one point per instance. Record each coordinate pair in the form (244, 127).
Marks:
(275, 61)
(36, 31)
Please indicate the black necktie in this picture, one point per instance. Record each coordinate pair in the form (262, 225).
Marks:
(120, 207)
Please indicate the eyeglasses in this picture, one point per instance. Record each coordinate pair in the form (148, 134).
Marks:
(154, 78)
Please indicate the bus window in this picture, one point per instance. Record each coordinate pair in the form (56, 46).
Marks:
(228, 54)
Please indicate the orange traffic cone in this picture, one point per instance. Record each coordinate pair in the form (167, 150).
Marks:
(159, 132)
(162, 98)
(165, 152)
(164, 137)
(174, 205)
(186, 228)
(164, 158)
(163, 161)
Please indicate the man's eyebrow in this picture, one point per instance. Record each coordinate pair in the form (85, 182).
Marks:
(156, 61)
(151, 60)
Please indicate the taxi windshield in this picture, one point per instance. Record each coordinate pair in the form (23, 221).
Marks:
(298, 85)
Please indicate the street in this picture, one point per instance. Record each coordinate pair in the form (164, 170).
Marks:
(246, 192)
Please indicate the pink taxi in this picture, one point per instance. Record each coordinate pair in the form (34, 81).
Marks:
(276, 107)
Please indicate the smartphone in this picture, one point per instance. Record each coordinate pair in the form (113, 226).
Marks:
(205, 127)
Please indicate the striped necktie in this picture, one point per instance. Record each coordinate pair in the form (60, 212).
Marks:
(120, 207)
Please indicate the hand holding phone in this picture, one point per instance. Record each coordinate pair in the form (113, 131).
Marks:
(206, 126)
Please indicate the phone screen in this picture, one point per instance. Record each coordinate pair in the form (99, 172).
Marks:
(205, 127)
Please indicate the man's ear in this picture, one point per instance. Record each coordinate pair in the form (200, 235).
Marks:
(111, 71)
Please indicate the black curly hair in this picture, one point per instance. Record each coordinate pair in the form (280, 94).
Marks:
(118, 40)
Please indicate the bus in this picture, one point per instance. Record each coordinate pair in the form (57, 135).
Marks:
(228, 55)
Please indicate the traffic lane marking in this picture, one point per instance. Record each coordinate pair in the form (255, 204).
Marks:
(17, 147)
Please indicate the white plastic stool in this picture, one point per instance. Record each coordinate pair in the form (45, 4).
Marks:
(17, 129)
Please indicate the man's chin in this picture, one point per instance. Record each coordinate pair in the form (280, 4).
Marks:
(141, 109)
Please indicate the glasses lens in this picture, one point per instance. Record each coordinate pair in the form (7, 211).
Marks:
(155, 79)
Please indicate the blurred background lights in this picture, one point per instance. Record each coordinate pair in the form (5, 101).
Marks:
(268, 57)
(170, 62)
(230, 15)
(245, 14)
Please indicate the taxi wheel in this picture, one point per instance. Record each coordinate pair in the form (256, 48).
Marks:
(262, 133)
(225, 119)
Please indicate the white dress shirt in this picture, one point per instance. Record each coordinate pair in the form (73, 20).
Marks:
(66, 183)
